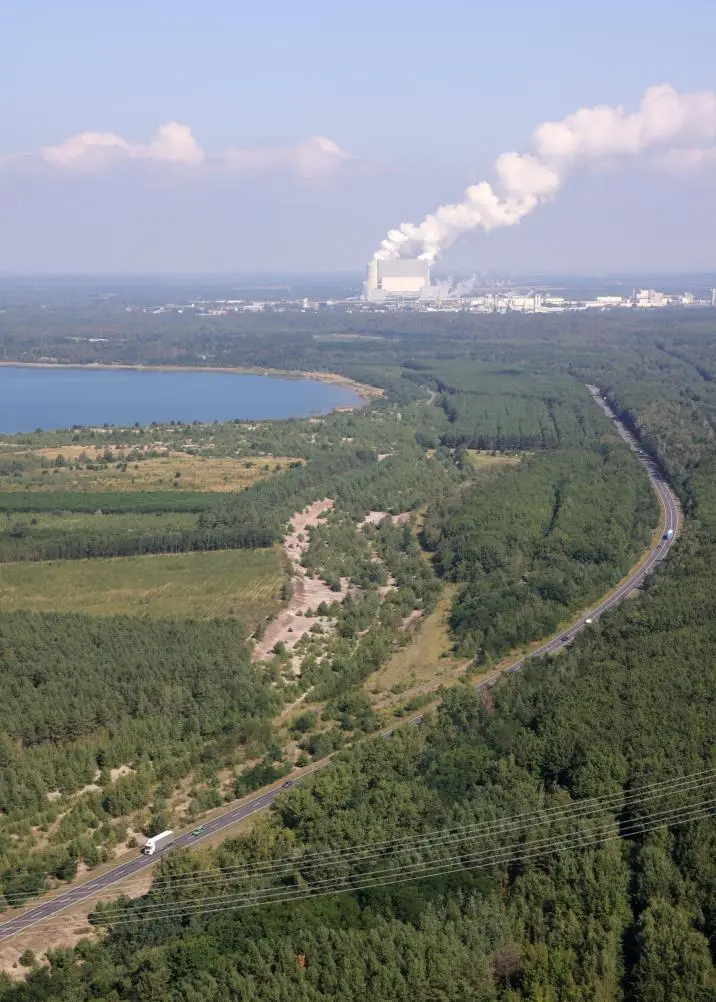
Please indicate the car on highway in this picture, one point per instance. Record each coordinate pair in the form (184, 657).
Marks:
(287, 784)
(565, 638)
(198, 830)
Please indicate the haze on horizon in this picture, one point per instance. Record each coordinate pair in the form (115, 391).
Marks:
(166, 139)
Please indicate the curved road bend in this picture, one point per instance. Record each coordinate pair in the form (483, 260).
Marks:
(53, 906)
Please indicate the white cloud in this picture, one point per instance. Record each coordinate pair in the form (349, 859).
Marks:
(173, 143)
(312, 159)
(682, 161)
(315, 158)
(318, 157)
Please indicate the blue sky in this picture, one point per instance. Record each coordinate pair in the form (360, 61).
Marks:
(422, 96)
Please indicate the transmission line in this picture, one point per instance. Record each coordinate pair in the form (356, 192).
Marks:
(514, 853)
(479, 830)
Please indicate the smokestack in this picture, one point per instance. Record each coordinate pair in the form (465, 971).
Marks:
(666, 120)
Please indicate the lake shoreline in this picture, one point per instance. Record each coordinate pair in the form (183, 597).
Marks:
(366, 392)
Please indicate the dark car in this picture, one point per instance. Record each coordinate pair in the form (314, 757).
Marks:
(565, 638)
(289, 782)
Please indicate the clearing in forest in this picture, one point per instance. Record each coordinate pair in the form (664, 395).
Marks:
(426, 659)
(241, 584)
(307, 593)
(483, 460)
(171, 470)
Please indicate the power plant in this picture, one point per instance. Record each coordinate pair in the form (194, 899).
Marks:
(400, 278)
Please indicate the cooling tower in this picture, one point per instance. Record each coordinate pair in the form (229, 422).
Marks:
(402, 278)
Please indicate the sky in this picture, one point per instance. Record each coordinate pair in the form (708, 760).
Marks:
(168, 136)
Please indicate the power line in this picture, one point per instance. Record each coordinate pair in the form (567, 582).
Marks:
(535, 819)
(489, 856)
(224, 904)
(447, 866)
(479, 830)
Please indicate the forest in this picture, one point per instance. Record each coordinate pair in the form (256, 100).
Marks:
(537, 541)
(177, 694)
(631, 703)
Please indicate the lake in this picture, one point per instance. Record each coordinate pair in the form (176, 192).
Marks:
(60, 398)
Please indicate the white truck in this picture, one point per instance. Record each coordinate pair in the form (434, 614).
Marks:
(158, 842)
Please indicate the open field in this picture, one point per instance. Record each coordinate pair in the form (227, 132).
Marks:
(54, 535)
(425, 658)
(242, 584)
(82, 468)
(484, 460)
(42, 523)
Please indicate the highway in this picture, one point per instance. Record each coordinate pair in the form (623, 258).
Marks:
(672, 522)
(52, 907)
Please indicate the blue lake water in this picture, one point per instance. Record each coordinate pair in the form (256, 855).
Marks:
(60, 398)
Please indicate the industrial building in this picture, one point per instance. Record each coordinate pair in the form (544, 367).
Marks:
(403, 278)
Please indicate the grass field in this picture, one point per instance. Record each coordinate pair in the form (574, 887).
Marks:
(242, 584)
(176, 471)
(40, 524)
(425, 658)
(485, 460)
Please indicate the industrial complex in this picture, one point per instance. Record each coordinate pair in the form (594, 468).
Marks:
(406, 284)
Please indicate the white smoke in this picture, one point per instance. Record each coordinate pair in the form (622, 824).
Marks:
(450, 288)
(666, 121)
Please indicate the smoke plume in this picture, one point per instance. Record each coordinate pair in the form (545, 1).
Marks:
(666, 121)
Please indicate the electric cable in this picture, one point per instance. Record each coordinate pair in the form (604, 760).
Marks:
(501, 855)
(622, 799)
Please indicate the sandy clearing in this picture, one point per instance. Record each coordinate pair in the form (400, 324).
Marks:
(291, 624)
(307, 593)
(376, 517)
(410, 619)
(122, 770)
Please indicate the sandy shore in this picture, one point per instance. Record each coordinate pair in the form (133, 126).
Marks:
(363, 390)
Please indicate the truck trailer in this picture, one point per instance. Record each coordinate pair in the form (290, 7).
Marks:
(158, 842)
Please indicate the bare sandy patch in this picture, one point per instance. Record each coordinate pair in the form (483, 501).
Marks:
(121, 770)
(376, 517)
(291, 624)
(411, 618)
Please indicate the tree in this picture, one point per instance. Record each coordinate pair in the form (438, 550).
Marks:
(674, 961)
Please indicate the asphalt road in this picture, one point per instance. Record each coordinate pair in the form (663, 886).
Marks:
(132, 867)
(672, 521)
